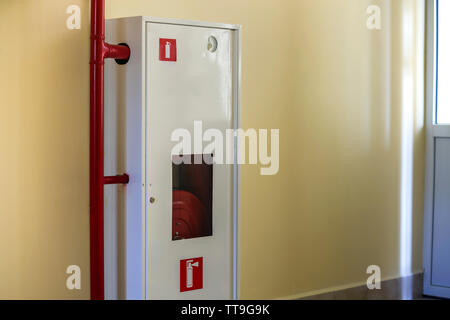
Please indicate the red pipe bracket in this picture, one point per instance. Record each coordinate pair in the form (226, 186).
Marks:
(100, 50)
(121, 179)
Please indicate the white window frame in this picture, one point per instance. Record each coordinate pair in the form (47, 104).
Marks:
(433, 131)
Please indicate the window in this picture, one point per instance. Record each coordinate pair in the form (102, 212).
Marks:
(443, 62)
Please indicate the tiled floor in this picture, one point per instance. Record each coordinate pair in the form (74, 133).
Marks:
(408, 288)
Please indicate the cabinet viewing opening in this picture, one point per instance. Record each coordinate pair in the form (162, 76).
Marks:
(192, 192)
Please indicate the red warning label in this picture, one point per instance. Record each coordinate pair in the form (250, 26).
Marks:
(167, 49)
(191, 274)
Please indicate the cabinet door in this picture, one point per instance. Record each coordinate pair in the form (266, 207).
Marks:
(189, 225)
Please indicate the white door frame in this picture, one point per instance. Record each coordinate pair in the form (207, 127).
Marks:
(433, 131)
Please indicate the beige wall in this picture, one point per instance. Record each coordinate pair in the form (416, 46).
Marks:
(44, 141)
(337, 91)
(357, 98)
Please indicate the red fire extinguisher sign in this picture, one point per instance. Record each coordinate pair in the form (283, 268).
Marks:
(167, 49)
(191, 274)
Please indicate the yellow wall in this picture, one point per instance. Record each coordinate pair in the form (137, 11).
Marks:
(337, 91)
(352, 108)
(44, 143)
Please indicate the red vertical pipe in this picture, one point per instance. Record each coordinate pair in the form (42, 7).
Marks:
(99, 51)
(96, 151)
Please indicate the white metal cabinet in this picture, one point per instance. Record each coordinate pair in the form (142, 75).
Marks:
(146, 100)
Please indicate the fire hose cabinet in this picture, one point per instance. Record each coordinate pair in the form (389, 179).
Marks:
(172, 232)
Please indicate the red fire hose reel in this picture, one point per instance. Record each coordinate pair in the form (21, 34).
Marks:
(189, 217)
